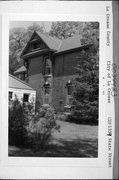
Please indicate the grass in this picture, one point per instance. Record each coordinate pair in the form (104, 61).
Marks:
(73, 140)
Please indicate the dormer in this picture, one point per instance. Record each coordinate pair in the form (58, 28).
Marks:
(40, 43)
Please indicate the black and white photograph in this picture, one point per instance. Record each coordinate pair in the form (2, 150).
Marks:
(53, 97)
(59, 95)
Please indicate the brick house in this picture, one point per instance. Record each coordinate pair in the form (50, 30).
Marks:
(49, 67)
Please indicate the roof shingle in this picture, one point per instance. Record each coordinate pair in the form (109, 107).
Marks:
(15, 82)
(61, 45)
(51, 42)
(70, 43)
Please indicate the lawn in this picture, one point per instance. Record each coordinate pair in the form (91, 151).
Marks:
(73, 140)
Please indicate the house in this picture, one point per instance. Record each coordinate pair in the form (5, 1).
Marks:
(20, 89)
(50, 67)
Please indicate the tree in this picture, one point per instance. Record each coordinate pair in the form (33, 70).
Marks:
(64, 29)
(17, 124)
(86, 88)
(17, 41)
(34, 27)
(87, 79)
(90, 33)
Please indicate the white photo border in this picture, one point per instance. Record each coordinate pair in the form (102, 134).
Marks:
(104, 54)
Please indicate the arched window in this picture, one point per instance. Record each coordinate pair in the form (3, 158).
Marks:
(47, 66)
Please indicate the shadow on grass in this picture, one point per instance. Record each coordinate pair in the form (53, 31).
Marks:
(76, 148)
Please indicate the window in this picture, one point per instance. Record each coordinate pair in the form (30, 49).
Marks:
(47, 66)
(69, 88)
(70, 101)
(22, 76)
(26, 98)
(36, 45)
(46, 88)
(19, 76)
(25, 64)
(25, 75)
(46, 100)
(10, 95)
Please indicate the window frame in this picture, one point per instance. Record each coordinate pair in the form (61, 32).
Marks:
(69, 89)
(27, 97)
(47, 67)
(47, 86)
(10, 95)
(36, 45)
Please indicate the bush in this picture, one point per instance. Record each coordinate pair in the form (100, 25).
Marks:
(61, 116)
(78, 118)
(29, 128)
(17, 124)
(42, 127)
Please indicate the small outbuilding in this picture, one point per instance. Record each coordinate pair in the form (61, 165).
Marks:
(20, 89)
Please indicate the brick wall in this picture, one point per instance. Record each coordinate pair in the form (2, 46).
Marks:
(36, 78)
(35, 65)
(63, 70)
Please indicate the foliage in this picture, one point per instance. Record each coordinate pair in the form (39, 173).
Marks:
(30, 128)
(42, 127)
(60, 116)
(34, 27)
(17, 41)
(87, 79)
(63, 29)
(37, 103)
(90, 33)
(17, 124)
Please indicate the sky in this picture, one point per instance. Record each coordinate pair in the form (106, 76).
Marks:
(25, 24)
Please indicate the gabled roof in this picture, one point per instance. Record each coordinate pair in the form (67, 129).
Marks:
(52, 42)
(58, 45)
(70, 43)
(16, 83)
(20, 70)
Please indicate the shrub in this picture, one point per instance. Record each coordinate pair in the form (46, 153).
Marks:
(17, 123)
(31, 128)
(61, 116)
(42, 127)
(79, 118)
